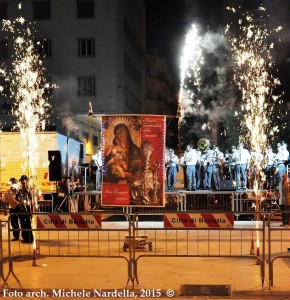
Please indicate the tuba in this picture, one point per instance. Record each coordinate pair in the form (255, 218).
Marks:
(202, 144)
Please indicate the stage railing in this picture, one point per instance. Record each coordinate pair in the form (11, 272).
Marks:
(181, 200)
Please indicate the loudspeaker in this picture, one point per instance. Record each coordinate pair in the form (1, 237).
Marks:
(54, 158)
(228, 185)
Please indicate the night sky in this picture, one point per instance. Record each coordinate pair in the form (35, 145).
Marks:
(168, 22)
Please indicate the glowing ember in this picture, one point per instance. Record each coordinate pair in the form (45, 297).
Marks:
(29, 90)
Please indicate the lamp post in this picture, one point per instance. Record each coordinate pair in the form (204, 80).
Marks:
(67, 150)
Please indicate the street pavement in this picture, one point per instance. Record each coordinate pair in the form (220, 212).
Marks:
(158, 277)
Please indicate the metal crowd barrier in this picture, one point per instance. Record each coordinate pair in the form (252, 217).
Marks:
(201, 242)
(68, 235)
(265, 243)
(278, 244)
(46, 204)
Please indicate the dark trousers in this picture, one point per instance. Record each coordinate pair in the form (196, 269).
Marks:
(14, 223)
(285, 215)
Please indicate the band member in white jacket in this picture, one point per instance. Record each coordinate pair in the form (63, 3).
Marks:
(191, 159)
(171, 172)
(241, 157)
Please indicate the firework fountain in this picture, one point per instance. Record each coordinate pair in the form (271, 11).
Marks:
(201, 94)
(253, 74)
(253, 71)
(190, 67)
(29, 89)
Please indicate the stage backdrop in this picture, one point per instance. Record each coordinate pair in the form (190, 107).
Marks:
(133, 160)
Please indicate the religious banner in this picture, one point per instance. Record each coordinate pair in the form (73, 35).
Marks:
(133, 160)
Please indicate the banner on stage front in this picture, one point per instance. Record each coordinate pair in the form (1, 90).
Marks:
(133, 160)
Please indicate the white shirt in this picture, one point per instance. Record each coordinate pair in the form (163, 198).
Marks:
(173, 160)
(241, 156)
(285, 153)
(98, 159)
(209, 157)
(191, 157)
(219, 157)
(281, 155)
(270, 158)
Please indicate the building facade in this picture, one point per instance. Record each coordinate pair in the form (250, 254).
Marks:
(94, 50)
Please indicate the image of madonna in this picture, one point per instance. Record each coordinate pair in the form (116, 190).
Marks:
(122, 158)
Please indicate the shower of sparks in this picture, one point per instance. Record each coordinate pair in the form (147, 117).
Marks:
(190, 66)
(29, 90)
(253, 75)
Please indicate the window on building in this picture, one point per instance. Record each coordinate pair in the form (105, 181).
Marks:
(41, 10)
(85, 9)
(3, 10)
(86, 47)
(3, 50)
(87, 86)
(43, 48)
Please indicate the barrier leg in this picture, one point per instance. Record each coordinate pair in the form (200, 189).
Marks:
(270, 274)
(1, 252)
(10, 269)
(9, 272)
(131, 273)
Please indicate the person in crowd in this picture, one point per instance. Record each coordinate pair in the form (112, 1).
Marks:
(269, 161)
(285, 209)
(61, 200)
(10, 197)
(98, 159)
(172, 166)
(208, 163)
(280, 163)
(199, 171)
(241, 157)
(285, 152)
(191, 159)
(218, 162)
(182, 164)
(23, 196)
(232, 164)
